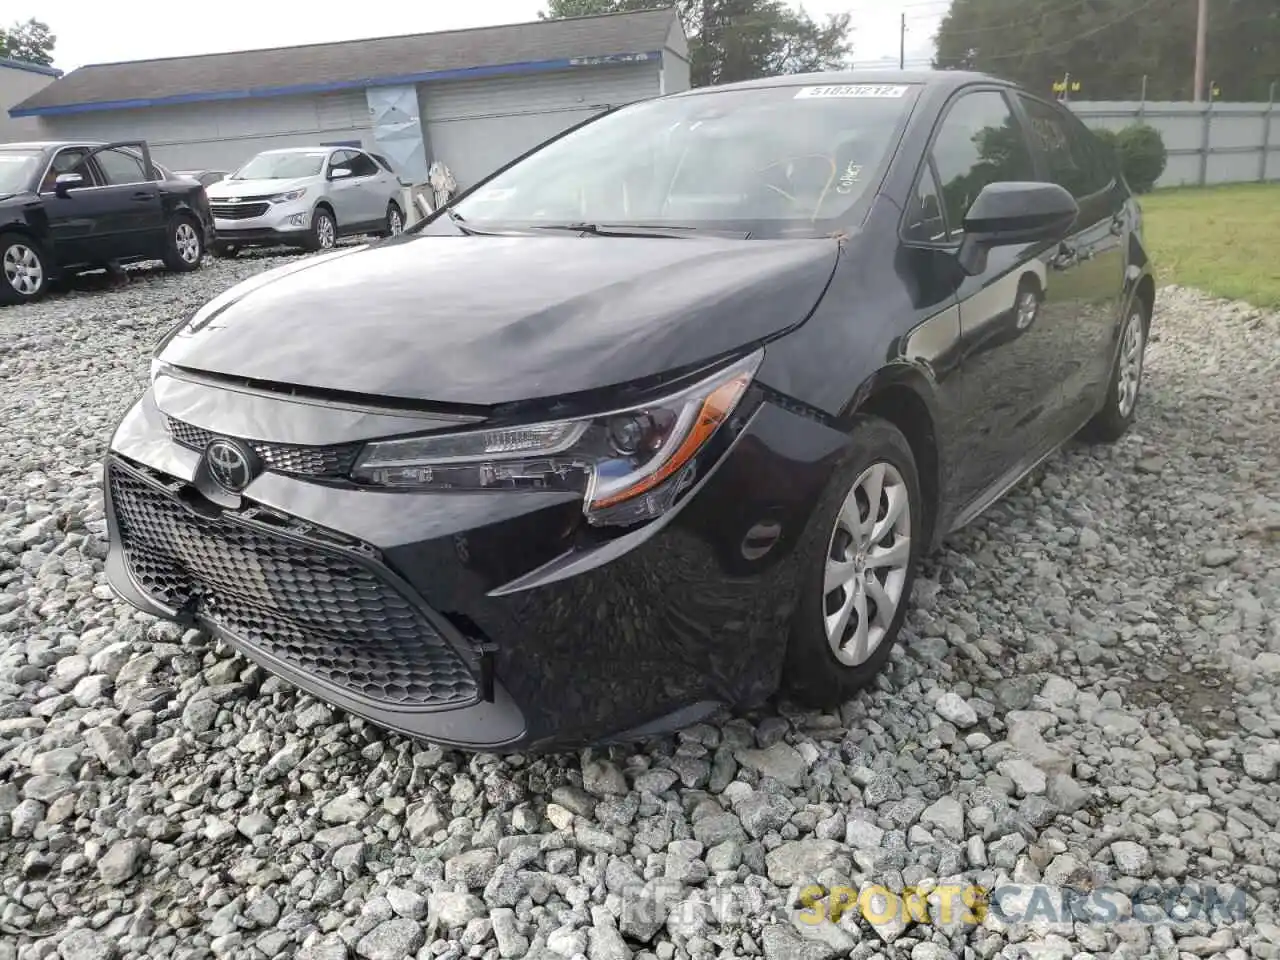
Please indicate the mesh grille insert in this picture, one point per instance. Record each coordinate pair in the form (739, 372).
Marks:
(332, 461)
(308, 606)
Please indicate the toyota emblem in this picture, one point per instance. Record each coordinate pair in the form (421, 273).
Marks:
(231, 465)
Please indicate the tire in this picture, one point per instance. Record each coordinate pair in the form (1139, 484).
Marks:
(183, 244)
(813, 674)
(395, 220)
(324, 231)
(24, 269)
(224, 251)
(1124, 387)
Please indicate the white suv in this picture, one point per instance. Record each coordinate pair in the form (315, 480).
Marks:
(305, 197)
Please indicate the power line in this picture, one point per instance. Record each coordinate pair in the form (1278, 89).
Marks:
(999, 28)
(1063, 44)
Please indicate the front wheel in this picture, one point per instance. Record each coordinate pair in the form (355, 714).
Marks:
(184, 246)
(24, 272)
(324, 231)
(395, 220)
(1120, 408)
(857, 579)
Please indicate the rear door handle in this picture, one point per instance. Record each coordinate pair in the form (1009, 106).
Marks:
(144, 195)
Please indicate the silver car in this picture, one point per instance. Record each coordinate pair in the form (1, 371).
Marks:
(305, 197)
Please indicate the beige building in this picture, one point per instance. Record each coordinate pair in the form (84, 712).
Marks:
(18, 81)
(472, 99)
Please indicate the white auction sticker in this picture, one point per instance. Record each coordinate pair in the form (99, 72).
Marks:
(856, 90)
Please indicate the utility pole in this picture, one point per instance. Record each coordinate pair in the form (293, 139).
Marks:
(1202, 32)
(902, 41)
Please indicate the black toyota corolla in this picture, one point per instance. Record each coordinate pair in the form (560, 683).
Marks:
(660, 416)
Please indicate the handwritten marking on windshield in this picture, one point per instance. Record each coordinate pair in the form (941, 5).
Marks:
(852, 174)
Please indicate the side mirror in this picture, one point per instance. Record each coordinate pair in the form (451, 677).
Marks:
(1014, 212)
(66, 182)
(337, 173)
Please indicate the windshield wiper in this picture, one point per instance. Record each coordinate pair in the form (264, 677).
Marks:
(674, 231)
(620, 229)
(459, 221)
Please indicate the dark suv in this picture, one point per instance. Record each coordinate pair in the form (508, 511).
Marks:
(71, 206)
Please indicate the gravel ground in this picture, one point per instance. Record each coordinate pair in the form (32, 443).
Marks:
(1086, 700)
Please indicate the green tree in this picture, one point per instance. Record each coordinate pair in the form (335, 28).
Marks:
(31, 41)
(731, 40)
(1109, 45)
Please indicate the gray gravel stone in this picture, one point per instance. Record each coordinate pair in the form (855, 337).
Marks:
(85, 944)
(780, 761)
(121, 862)
(391, 940)
(953, 708)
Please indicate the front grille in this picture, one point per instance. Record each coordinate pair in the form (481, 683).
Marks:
(308, 605)
(335, 460)
(238, 211)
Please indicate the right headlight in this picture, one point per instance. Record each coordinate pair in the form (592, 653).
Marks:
(630, 464)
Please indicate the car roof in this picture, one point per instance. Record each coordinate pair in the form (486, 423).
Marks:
(937, 79)
(316, 149)
(50, 144)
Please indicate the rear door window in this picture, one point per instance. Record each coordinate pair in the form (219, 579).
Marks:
(119, 167)
(1071, 154)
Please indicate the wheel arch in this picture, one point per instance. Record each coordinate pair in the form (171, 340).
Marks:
(185, 210)
(22, 229)
(1145, 293)
(903, 395)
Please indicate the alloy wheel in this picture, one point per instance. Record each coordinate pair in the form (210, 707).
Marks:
(1028, 305)
(23, 270)
(868, 557)
(188, 244)
(1129, 372)
(325, 232)
(395, 224)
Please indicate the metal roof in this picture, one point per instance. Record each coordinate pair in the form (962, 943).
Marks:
(514, 48)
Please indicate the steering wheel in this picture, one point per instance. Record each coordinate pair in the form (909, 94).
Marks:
(822, 167)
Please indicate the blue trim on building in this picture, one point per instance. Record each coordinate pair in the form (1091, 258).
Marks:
(30, 67)
(466, 73)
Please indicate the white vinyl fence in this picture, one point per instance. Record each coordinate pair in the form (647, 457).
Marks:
(1206, 142)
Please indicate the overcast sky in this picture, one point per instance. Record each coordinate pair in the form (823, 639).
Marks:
(90, 31)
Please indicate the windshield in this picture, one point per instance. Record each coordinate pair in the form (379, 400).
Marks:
(17, 169)
(779, 158)
(282, 166)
